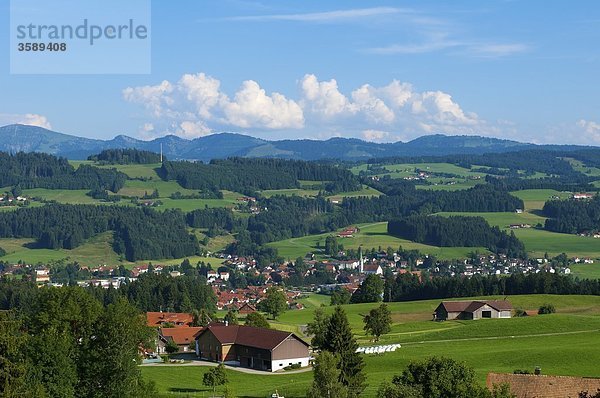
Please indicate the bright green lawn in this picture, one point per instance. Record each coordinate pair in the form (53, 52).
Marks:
(370, 236)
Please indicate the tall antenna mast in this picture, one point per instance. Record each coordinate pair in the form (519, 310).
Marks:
(161, 152)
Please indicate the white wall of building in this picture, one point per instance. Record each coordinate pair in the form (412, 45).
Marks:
(282, 363)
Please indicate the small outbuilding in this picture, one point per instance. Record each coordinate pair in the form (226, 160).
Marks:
(478, 309)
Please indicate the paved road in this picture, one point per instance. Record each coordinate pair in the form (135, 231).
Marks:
(235, 368)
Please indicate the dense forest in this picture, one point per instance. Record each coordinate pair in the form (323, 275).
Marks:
(248, 175)
(456, 231)
(39, 170)
(405, 199)
(138, 233)
(573, 216)
(126, 156)
(65, 343)
(576, 182)
(76, 342)
(408, 287)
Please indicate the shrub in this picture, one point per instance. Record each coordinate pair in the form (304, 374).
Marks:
(293, 366)
(547, 309)
(519, 312)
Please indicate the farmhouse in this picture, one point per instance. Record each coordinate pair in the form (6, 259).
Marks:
(582, 196)
(448, 310)
(250, 347)
(183, 337)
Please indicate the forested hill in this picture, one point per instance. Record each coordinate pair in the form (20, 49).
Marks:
(247, 175)
(15, 138)
(126, 156)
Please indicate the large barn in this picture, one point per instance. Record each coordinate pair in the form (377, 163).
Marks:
(479, 309)
(250, 347)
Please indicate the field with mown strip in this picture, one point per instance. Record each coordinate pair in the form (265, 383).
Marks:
(557, 343)
(370, 236)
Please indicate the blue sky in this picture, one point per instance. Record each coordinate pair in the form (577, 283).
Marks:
(376, 70)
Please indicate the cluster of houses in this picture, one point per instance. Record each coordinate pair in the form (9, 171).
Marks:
(245, 300)
(502, 265)
(9, 200)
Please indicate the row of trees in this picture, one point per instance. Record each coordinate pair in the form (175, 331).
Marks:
(408, 287)
(126, 156)
(456, 231)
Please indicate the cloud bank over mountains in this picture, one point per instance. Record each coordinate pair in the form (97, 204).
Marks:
(196, 105)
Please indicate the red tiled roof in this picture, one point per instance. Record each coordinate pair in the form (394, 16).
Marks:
(178, 319)
(181, 336)
(249, 336)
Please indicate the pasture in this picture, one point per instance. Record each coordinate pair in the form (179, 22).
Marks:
(555, 342)
(370, 236)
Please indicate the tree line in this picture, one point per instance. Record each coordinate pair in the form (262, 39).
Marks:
(456, 231)
(408, 287)
(126, 156)
(40, 170)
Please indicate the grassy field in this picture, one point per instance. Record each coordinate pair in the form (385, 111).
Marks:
(290, 192)
(370, 236)
(75, 196)
(535, 198)
(408, 169)
(365, 191)
(97, 250)
(132, 170)
(556, 343)
(538, 241)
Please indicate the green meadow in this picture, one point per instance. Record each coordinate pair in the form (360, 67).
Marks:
(370, 236)
(555, 342)
(539, 241)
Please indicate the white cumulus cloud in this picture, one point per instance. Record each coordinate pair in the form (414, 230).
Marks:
(31, 119)
(196, 105)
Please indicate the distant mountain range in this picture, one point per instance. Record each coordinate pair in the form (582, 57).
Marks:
(16, 138)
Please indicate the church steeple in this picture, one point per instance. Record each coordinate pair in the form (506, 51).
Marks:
(361, 266)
